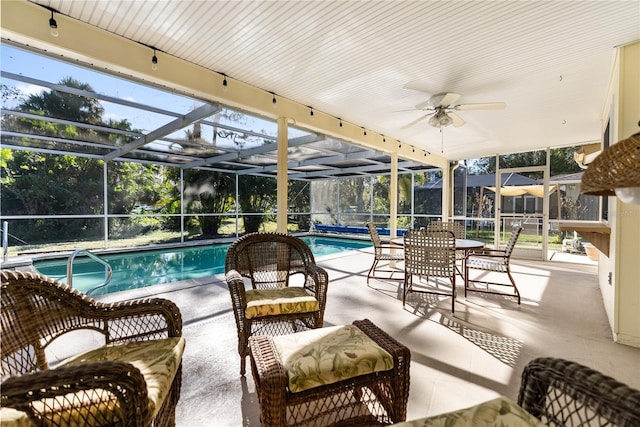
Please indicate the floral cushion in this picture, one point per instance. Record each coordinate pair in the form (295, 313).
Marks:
(272, 302)
(157, 360)
(494, 413)
(329, 355)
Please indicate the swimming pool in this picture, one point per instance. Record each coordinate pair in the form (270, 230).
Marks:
(132, 270)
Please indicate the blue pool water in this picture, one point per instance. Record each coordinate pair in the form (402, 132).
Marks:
(132, 270)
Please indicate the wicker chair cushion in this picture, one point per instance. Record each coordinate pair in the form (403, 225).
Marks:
(329, 355)
(497, 412)
(157, 360)
(10, 417)
(273, 302)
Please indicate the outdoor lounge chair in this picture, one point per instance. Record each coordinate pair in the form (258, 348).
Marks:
(492, 261)
(288, 291)
(385, 251)
(563, 393)
(133, 380)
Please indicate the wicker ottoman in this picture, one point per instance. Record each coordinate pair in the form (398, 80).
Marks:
(353, 398)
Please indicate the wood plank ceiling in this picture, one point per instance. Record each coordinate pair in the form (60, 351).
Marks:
(369, 62)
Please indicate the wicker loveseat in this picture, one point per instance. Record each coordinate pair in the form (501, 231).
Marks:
(285, 291)
(133, 380)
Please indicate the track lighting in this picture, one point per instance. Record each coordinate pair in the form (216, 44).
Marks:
(225, 84)
(154, 61)
(340, 120)
(364, 131)
(53, 25)
(311, 112)
(274, 101)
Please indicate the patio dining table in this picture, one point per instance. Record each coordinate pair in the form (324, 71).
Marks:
(463, 245)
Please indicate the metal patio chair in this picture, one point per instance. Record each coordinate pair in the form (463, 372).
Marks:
(492, 261)
(385, 251)
(431, 256)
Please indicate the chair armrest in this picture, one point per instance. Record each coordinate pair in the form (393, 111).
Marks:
(85, 393)
(235, 282)
(319, 284)
(140, 320)
(391, 245)
(488, 253)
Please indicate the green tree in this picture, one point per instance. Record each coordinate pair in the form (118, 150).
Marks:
(50, 184)
(256, 195)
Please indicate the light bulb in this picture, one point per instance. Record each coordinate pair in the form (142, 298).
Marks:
(629, 195)
(53, 25)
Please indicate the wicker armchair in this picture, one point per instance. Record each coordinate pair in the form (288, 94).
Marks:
(383, 251)
(563, 393)
(288, 290)
(492, 260)
(106, 386)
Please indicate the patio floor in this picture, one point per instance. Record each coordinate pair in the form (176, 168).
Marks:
(457, 360)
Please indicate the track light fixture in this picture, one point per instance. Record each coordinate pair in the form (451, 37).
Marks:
(364, 131)
(311, 112)
(340, 120)
(53, 25)
(154, 61)
(225, 84)
(274, 101)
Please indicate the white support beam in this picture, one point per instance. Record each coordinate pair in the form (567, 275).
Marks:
(282, 183)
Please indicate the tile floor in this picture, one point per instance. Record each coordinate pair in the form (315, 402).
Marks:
(457, 360)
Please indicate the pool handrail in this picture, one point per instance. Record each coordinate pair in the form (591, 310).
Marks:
(93, 257)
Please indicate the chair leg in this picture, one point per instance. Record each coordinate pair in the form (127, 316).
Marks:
(513, 282)
(371, 272)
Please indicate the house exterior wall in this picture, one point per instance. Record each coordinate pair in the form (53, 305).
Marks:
(619, 275)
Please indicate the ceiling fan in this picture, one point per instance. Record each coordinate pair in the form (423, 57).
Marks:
(444, 106)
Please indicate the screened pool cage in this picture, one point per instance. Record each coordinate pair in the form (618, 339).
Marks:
(95, 161)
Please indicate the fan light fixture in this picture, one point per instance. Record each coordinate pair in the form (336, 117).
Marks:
(616, 171)
(53, 25)
(440, 119)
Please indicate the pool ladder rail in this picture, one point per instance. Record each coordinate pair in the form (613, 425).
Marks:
(74, 254)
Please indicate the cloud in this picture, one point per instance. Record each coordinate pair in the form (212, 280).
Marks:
(30, 89)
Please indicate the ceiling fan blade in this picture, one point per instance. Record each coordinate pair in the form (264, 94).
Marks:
(449, 98)
(482, 106)
(416, 121)
(457, 121)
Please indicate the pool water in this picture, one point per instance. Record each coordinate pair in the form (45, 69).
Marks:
(132, 270)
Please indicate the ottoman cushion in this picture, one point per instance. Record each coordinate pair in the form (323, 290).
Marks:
(329, 355)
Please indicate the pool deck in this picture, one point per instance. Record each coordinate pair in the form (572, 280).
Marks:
(457, 360)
